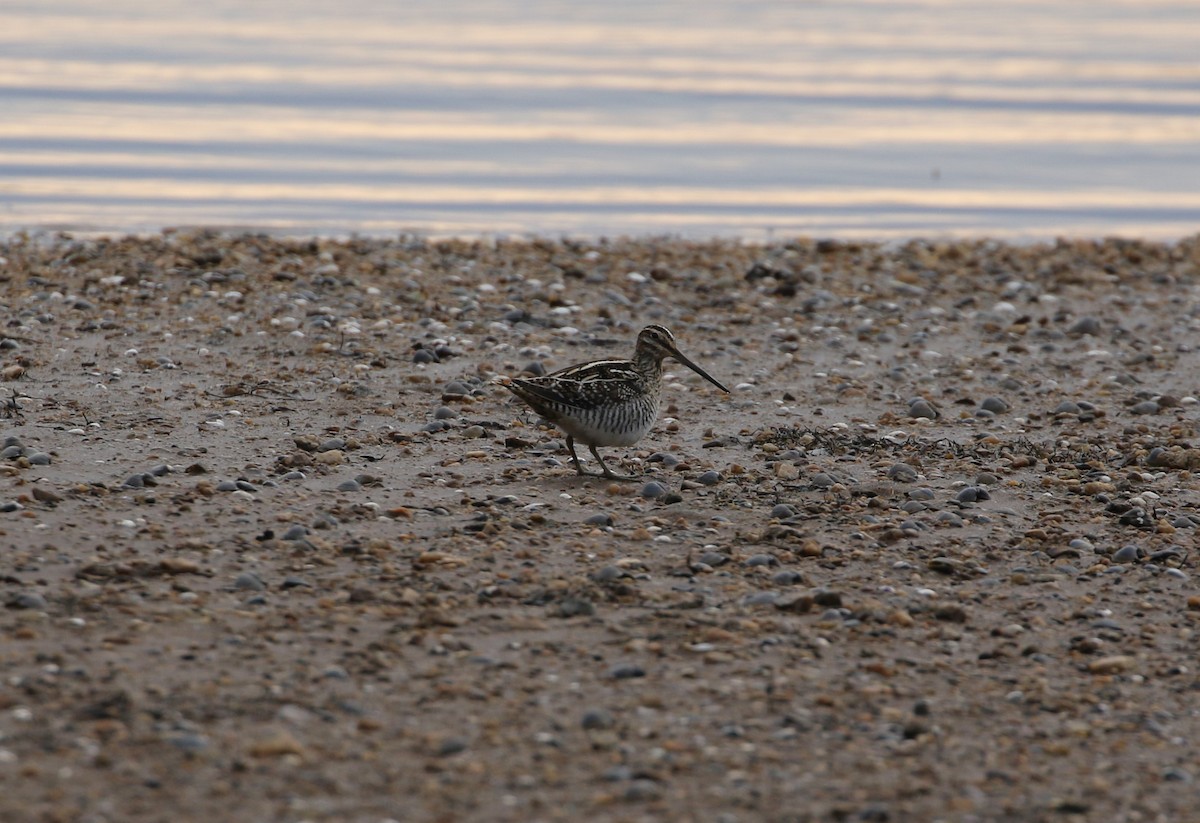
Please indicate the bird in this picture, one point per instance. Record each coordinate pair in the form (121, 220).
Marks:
(606, 402)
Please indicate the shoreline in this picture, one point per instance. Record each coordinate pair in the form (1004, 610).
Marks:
(280, 549)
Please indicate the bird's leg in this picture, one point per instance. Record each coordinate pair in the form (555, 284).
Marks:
(574, 456)
(605, 469)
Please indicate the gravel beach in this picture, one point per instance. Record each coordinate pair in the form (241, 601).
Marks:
(277, 547)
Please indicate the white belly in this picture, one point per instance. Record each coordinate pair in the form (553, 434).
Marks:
(621, 425)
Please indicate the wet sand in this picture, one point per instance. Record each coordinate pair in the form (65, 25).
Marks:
(276, 546)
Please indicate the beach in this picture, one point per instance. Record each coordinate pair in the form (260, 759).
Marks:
(278, 546)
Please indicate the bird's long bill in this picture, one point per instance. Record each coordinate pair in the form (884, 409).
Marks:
(698, 370)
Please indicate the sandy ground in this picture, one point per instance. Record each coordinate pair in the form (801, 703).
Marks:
(276, 548)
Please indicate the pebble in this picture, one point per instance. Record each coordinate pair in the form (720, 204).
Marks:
(949, 519)
(902, 473)
(451, 746)
(709, 478)
(594, 719)
(782, 511)
(760, 599)
(761, 560)
(609, 574)
(349, 486)
(714, 559)
(920, 407)
(667, 459)
(653, 490)
(1126, 554)
(445, 413)
(972, 494)
(1085, 325)
(787, 577)
(1145, 407)
(223, 486)
(27, 600)
(601, 519)
(38, 459)
(626, 671)
(249, 581)
(994, 405)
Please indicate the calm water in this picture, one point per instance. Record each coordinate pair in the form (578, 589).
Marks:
(845, 118)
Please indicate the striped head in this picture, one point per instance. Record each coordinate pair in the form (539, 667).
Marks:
(656, 342)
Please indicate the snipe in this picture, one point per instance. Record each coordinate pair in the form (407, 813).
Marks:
(606, 402)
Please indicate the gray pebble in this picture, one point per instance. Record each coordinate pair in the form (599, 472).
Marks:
(161, 470)
(294, 475)
(349, 486)
(714, 559)
(761, 560)
(609, 574)
(1067, 407)
(1176, 775)
(949, 519)
(293, 582)
(445, 413)
(601, 519)
(827, 598)
(921, 493)
(224, 486)
(249, 581)
(456, 387)
(902, 473)
(27, 600)
(709, 478)
(782, 511)
(986, 479)
(474, 432)
(787, 577)
(668, 460)
(573, 607)
(1085, 325)
(1082, 544)
(994, 404)
(436, 426)
(643, 790)
(653, 490)
(760, 599)
(626, 671)
(920, 407)
(11, 452)
(1145, 407)
(451, 746)
(424, 356)
(1125, 554)
(332, 444)
(38, 459)
(597, 719)
(10, 506)
(973, 494)
(823, 480)
(245, 486)
(188, 742)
